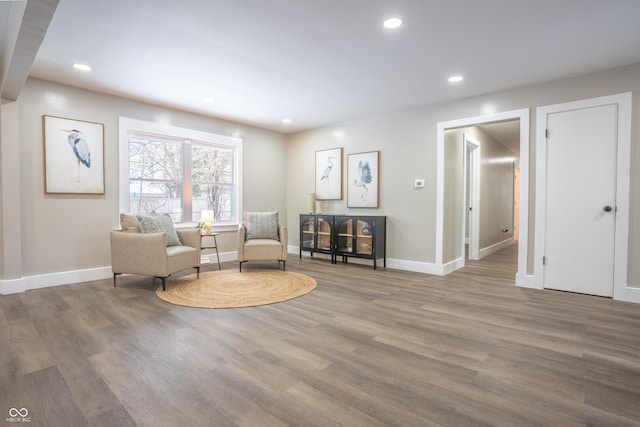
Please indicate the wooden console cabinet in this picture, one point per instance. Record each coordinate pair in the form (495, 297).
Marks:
(359, 236)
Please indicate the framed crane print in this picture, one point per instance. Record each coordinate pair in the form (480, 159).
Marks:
(329, 174)
(363, 180)
(73, 156)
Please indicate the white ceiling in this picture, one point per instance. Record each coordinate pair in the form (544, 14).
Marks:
(507, 133)
(320, 62)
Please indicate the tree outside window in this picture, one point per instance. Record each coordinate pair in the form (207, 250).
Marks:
(212, 180)
(180, 177)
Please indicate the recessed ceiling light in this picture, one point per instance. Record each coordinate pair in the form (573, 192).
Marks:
(286, 121)
(392, 23)
(455, 79)
(82, 67)
(210, 100)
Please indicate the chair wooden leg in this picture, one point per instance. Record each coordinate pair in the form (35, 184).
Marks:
(114, 278)
(240, 265)
(164, 283)
(284, 265)
(198, 272)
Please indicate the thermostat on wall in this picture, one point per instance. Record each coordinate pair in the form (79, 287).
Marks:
(419, 183)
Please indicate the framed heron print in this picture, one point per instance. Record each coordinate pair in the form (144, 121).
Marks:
(363, 179)
(73, 156)
(329, 174)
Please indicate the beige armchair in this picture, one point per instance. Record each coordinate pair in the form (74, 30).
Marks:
(255, 245)
(147, 254)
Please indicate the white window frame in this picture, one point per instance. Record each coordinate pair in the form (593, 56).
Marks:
(129, 126)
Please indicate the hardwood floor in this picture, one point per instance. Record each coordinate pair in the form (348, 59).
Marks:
(366, 348)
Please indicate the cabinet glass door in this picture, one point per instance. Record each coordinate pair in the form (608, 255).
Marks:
(308, 231)
(324, 234)
(364, 237)
(345, 235)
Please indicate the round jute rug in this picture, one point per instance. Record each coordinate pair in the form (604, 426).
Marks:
(230, 288)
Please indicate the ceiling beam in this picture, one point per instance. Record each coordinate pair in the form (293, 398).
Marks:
(25, 32)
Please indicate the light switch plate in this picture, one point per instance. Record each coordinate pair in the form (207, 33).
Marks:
(419, 183)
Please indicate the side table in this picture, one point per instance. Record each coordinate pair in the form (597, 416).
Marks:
(209, 246)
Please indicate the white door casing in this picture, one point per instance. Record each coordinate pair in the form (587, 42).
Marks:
(516, 201)
(522, 278)
(472, 193)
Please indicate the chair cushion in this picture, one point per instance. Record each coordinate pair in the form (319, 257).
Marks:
(261, 225)
(158, 223)
(262, 249)
(129, 223)
(179, 250)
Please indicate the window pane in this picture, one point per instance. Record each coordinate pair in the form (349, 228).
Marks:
(181, 172)
(211, 165)
(216, 197)
(158, 197)
(155, 159)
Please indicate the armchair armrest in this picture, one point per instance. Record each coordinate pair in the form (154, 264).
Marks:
(284, 239)
(189, 237)
(138, 253)
(242, 232)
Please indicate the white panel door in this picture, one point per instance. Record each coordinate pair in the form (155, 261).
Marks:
(580, 200)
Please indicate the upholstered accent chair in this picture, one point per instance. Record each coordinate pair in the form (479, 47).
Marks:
(149, 246)
(262, 238)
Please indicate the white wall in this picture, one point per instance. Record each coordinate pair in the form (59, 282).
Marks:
(401, 138)
(454, 151)
(70, 233)
(496, 192)
(407, 141)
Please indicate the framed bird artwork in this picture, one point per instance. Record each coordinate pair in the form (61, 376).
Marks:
(73, 156)
(329, 174)
(363, 178)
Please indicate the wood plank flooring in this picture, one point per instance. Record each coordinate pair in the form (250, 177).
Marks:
(366, 348)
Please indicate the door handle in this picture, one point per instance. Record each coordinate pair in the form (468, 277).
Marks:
(607, 208)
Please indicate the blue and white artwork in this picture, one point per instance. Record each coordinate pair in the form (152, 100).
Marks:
(329, 174)
(73, 156)
(363, 180)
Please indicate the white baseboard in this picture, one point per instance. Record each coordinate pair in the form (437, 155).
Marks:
(631, 294)
(293, 249)
(27, 283)
(495, 248)
(452, 266)
(397, 264)
(13, 286)
(54, 279)
(527, 281)
(210, 257)
(414, 266)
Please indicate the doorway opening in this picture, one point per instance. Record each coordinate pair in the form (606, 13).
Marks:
(485, 198)
(451, 235)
